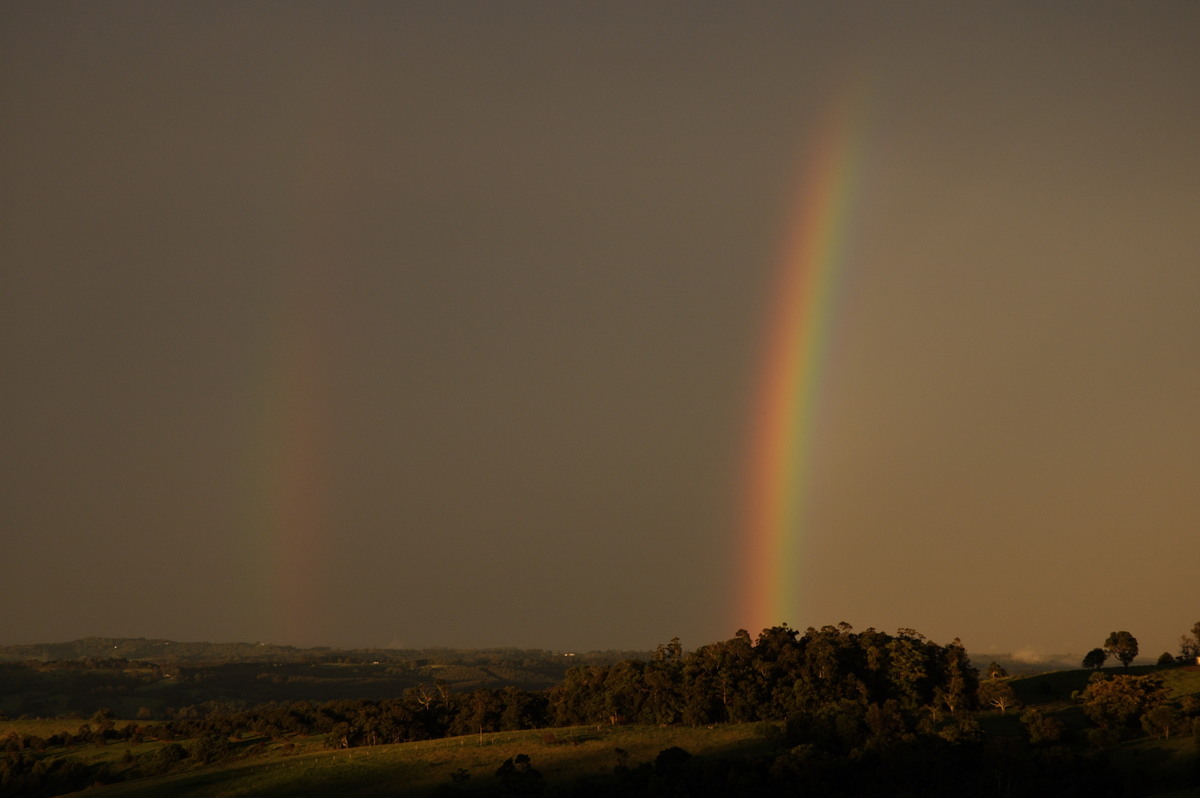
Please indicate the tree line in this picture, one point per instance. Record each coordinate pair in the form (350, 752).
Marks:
(839, 696)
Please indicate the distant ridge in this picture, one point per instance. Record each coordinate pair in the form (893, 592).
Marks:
(1024, 663)
(152, 649)
(173, 651)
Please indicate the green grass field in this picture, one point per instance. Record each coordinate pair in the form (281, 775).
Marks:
(1053, 686)
(1182, 681)
(417, 769)
(45, 727)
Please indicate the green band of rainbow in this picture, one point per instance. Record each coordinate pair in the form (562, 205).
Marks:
(784, 413)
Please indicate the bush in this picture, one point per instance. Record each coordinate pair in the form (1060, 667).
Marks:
(166, 757)
(1162, 721)
(518, 777)
(671, 758)
(1117, 703)
(1040, 728)
(212, 748)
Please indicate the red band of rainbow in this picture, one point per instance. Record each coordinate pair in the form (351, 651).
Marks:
(796, 341)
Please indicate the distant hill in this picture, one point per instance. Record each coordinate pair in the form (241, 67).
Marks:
(125, 674)
(129, 675)
(1024, 664)
(174, 652)
(155, 650)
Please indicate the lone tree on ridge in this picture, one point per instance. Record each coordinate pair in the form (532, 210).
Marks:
(1123, 646)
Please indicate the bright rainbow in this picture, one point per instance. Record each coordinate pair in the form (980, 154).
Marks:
(788, 386)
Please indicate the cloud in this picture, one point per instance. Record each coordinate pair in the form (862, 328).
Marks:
(1029, 656)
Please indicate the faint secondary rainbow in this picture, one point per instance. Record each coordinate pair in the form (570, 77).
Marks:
(290, 482)
(288, 472)
(803, 295)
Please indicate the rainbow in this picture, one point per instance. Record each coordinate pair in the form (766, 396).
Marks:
(787, 388)
(291, 485)
(287, 473)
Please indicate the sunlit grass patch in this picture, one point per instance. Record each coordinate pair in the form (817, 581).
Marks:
(419, 768)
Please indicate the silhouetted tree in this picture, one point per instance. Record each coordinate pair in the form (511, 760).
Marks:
(959, 680)
(518, 777)
(1189, 645)
(1095, 658)
(1123, 646)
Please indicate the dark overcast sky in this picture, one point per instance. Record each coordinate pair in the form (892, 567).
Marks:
(437, 323)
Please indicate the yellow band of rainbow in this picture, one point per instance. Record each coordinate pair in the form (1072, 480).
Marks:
(803, 294)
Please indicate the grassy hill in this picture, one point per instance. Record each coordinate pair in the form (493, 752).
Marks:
(468, 764)
(1145, 761)
(239, 718)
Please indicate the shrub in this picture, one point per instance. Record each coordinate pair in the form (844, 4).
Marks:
(1162, 720)
(1040, 728)
(1103, 738)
